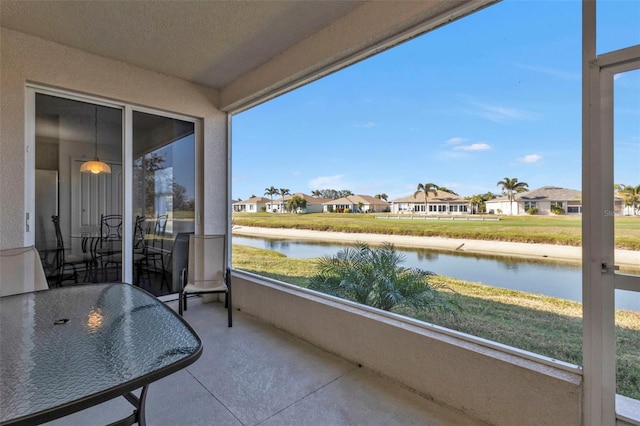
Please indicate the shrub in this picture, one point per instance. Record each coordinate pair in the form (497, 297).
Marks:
(557, 210)
(347, 210)
(532, 210)
(374, 277)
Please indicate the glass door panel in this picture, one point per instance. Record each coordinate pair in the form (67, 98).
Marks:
(69, 133)
(163, 197)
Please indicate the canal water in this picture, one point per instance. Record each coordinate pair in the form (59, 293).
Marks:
(532, 276)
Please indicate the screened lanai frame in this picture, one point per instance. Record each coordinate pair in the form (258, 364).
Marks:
(127, 162)
(598, 267)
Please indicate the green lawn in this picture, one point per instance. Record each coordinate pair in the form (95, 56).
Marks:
(540, 324)
(565, 230)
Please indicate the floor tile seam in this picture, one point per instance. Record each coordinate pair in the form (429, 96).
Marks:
(214, 396)
(340, 376)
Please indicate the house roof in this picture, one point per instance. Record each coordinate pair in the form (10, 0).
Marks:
(308, 198)
(357, 199)
(253, 200)
(441, 196)
(248, 51)
(546, 193)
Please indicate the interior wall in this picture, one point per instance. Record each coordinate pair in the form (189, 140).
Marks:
(26, 59)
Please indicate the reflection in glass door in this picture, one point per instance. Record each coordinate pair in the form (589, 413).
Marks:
(68, 134)
(163, 198)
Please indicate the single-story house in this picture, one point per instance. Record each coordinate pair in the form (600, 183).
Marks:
(356, 204)
(252, 205)
(441, 202)
(544, 199)
(314, 204)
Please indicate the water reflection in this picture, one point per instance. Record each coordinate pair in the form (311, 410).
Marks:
(540, 276)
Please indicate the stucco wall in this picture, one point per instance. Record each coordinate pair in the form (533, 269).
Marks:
(491, 385)
(26, 59)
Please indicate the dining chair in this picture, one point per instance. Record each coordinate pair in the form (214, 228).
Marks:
(139, 254)
(207, 271)
(155, 249)
(68, 264)
(21, 271)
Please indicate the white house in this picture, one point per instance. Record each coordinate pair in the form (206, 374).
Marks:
(252, 205)
(441, 202)
(543, 199)
(314, 204)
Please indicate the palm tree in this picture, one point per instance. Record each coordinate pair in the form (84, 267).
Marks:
(270, 192)
(476, 201)
(511, 186)
(374, 277)
(445, 189)
(426, 189)
(630, 194)
(282, 192)
(382, 196)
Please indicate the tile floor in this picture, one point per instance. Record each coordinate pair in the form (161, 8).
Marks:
(255, 374)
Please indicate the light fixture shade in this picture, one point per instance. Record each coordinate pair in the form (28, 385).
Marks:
(95, 166)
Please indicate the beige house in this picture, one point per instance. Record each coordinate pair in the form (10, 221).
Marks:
(127, 80)
(279, 205)
(356, 204)
(252, 205)
(439, 203)
(543, 199)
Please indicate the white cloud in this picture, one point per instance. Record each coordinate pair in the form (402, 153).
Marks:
(480, 146)
(456, 140)
(365, 125)
(530, 158)
(327, 182)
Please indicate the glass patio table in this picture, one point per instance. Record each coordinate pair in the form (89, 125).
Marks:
(67, 349)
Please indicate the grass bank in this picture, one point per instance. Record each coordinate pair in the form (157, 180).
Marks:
(563, 230)
(540, 324)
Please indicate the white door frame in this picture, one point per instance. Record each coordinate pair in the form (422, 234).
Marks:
(598, 262)
(127, 161)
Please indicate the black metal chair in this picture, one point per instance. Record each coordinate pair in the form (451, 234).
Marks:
(155, 250)
(66, 265)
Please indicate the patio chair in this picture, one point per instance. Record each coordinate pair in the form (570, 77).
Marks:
(21, 271)
(139, 254)
(155, 250)
(207, 271)
(67, 264)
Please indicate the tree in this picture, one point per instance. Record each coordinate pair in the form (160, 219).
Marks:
(282, 192)
(445, 189)
(511, 186)
(296, 203)
(374, 277)
(331, 193)
(426, 188)
(316, 193)
(382, 196)
(477, 203)
(631, 196)
(270, 192)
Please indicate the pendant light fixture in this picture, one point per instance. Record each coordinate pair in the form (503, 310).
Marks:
(95, 166)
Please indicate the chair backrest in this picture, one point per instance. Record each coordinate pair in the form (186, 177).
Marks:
(179, 258)
(139, 241)
(111, 227)
(56, 225)
(207, 259)
(21, 271)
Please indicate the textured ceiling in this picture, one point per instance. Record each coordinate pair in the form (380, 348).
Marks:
(208, 42)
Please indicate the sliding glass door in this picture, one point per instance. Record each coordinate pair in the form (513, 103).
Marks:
(87, 224)
(163, 196)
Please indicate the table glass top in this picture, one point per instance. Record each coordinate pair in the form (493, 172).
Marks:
(63, 345)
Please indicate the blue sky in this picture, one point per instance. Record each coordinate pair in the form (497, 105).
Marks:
(486, 97)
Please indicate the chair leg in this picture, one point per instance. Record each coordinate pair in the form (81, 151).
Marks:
(180, 310)
(227, 299)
